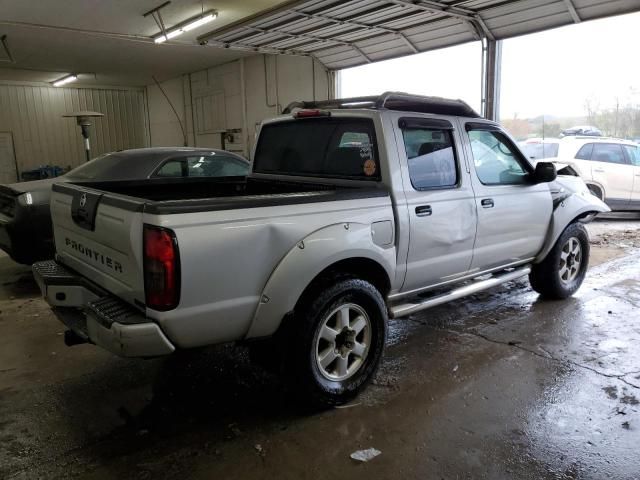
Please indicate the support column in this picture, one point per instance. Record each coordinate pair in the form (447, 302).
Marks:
(491, 76)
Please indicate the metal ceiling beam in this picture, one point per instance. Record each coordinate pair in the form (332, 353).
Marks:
(355, 23)
(252, 48)
(306, 36)
(281, 9)
(572, 11)
(456, 11)
(309, 33)
(469, 17)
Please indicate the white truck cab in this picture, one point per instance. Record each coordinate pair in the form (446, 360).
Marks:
(356, 210)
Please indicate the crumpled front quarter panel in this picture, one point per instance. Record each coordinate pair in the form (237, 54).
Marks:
(572, 199)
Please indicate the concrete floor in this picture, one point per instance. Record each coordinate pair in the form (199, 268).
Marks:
(499, 385)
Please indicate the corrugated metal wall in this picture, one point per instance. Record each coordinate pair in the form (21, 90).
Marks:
(33, 114)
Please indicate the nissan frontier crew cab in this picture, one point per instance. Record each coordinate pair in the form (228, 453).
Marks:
(355, 211)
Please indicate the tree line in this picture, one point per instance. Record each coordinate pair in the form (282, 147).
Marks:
(622, 120)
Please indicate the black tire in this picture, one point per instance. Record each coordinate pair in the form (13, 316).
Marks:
(550, 278)
(304, 348)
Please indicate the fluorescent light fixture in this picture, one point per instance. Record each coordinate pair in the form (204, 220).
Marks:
(65, 80)
(186, 27)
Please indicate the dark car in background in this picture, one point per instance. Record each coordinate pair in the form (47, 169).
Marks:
(584, 130)
(25, 222)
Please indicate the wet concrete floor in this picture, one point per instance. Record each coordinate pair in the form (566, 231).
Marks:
(499, 385)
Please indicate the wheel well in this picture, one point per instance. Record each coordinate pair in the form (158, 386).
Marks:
(362, 268)
(596, 190)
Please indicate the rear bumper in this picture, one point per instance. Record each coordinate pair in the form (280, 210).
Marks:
(98, 317)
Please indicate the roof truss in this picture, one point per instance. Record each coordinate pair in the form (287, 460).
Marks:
(342, 33)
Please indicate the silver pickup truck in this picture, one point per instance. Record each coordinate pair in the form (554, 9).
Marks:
(355, 211)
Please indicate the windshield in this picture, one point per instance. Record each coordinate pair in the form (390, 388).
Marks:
(323, 147)
(538, 151)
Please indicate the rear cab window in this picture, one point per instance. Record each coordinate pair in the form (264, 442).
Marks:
(332, 147)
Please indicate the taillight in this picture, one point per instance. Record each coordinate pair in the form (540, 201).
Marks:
(161, 268)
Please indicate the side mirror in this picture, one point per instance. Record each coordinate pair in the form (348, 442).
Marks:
(545, 172)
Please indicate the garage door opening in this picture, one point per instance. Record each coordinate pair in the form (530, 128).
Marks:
(453, 72)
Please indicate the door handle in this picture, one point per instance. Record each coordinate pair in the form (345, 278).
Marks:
(423, 211)
(598, 170)
(487, 203)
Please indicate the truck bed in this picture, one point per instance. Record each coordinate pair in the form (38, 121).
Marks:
(166, 196)
(243, 223)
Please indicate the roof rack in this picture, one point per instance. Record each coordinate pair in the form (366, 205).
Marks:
(404, 102)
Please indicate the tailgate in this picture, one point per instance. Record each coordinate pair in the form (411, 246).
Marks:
(99, 235)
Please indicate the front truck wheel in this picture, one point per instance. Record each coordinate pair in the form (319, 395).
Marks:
(336, 341)
(561, 273)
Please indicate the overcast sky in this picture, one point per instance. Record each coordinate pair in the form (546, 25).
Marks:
(548, 73)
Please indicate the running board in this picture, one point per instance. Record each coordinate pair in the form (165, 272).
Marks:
(409, 308)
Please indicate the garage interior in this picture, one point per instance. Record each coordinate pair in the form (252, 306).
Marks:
(502, 385)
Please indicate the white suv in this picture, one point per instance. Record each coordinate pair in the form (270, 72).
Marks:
(609, 166)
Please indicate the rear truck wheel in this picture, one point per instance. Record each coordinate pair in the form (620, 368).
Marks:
(561, 273)
(336, 342)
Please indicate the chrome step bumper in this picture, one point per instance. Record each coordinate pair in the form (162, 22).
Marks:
(409, 308)
(98, 317)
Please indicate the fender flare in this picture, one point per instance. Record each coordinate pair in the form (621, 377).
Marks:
(566, 211)
(306, 260)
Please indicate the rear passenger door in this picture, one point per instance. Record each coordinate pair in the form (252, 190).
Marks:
(513, 213)
(440, 201)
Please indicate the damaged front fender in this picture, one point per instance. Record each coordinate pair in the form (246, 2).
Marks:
(572, 201)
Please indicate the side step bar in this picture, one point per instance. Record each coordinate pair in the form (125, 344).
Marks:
(409, 308)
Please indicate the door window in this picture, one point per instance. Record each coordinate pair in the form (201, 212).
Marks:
(607, 152)
(431, 158)
(585, 152)
(172, 169)
(203, 166)
(496, 159)
(215, 166)
(633, 153)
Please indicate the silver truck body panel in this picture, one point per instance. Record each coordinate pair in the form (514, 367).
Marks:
(574, 200)
(242, 270)
(239, 250)
(440, 246)
(310, 257)
(111, 255)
